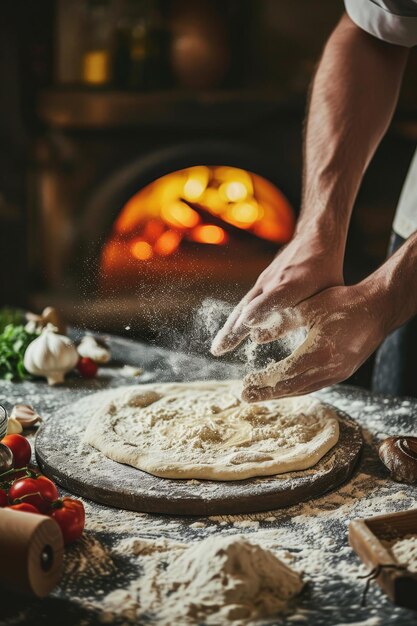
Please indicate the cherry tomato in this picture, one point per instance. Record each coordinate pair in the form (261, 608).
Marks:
(70, 516)
(87, 367)
(3, 498)
(25, 507)
(20, 448)
(39, 491)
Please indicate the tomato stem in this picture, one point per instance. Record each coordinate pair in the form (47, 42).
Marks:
(15, 470)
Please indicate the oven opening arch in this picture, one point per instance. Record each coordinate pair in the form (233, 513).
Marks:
(241, 182)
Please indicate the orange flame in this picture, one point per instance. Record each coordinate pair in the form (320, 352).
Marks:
(209, 233)
(167, 243)
(179, 214)
(141, 250)
(156, 220)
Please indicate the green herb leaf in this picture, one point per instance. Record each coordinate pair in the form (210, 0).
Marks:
(14, 339)
(10, 316)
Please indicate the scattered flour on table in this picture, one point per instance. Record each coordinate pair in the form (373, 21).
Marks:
(217, 580)
(130, 371)
(302, 535)
(198, 525)
(404, 551)
(372, 621)
(306, 537)
(85, 561)
(247, 523)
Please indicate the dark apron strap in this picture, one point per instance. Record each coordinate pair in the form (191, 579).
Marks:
(395, 371)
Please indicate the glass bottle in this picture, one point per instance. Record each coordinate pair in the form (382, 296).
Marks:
(131, 46)
(96, 59)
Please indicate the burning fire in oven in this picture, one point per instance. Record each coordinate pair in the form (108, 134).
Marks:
(195, 210)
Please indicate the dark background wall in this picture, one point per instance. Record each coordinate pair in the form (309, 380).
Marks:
(283, 41)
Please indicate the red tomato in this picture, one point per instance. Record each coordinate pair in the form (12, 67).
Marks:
(70, 516)
(20, 447)
(3, 498)
(39, 491)
(25, 507)
(87, 367)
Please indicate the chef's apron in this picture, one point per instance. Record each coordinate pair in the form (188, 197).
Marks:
(395, 370)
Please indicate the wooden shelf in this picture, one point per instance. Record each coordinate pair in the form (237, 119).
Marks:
(82, 109)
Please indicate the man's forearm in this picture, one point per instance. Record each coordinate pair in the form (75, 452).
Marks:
(353, 97)
(393, 287)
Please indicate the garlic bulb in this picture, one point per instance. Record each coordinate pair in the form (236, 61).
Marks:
(50, 355)
(13, 426)
(91, 349)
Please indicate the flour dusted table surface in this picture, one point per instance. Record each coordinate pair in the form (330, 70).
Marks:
(311, 536)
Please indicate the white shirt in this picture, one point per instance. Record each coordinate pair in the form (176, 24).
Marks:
(393, 21)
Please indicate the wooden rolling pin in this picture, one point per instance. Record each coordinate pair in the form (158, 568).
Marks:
(31, 552)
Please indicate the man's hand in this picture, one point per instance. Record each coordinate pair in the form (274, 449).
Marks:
(353, 97)
(305, 267)
(344, 325)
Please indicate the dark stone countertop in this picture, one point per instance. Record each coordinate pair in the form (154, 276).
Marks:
(313, 535)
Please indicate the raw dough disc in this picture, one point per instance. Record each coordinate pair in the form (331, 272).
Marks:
(204, 430)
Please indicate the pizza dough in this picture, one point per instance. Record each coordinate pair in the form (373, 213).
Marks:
(204, 430)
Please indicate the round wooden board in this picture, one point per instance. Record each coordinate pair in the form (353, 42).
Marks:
(84, 471)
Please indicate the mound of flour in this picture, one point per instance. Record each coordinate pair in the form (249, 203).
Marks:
(214, 581)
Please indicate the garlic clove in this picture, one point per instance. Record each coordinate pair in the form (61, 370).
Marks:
(48, 316)
(51, 316)
(25, 414)
(91, 349)
(129, 370)
(13, 426)
(31, 327)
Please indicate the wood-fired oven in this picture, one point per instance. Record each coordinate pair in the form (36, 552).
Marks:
(130, 215)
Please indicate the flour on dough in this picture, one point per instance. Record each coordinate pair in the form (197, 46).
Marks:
(204, 430)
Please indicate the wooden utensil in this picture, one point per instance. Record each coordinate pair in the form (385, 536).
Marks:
(366, 536)
(31, 552)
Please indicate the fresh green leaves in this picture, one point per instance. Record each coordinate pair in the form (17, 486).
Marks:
(10, 316)
(14, 339)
